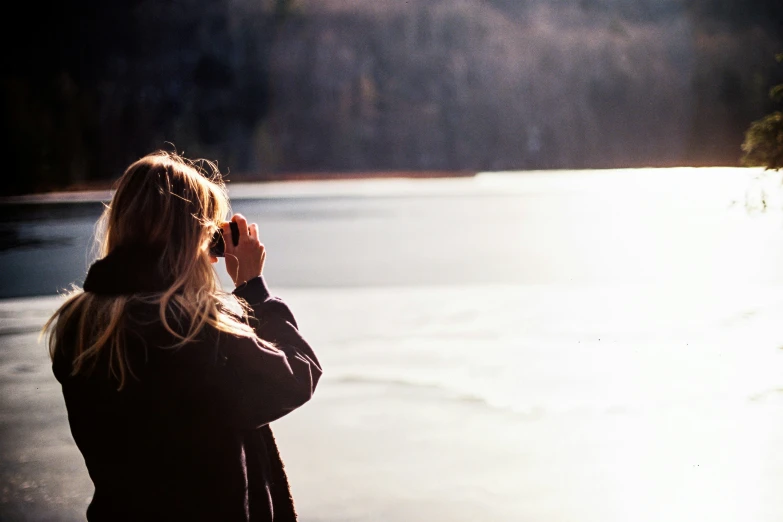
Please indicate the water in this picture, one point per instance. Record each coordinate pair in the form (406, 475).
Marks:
(656, 226)
(536, 346)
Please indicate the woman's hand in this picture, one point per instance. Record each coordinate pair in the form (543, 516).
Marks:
(245, 260)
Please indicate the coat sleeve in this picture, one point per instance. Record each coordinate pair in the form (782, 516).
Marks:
(271, 379)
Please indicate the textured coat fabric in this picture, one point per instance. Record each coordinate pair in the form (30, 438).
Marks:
(188, 437)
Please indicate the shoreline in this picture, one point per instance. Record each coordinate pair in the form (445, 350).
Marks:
(101, 190)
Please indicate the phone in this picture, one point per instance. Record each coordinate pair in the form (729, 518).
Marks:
(218, 246)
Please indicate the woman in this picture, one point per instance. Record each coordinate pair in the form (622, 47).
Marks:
(169, 382)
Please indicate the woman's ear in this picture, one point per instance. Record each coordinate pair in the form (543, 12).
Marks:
(212, 259)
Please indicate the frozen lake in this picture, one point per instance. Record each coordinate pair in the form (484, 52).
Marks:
(573, 346)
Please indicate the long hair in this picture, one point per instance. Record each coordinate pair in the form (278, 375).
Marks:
(174, 205)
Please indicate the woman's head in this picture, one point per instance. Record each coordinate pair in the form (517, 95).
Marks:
(169, 208)
(167, 204)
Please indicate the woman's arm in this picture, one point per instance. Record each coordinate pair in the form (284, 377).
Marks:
(280, 373)
(270, 381)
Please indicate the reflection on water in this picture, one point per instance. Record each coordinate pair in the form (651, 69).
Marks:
(18, 213)
(11, 239)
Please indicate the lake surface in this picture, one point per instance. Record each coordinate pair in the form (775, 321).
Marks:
(657, 226)
(569, 346)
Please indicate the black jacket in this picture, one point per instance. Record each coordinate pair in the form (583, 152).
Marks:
(188, 438)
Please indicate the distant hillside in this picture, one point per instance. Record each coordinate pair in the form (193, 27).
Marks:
(495, 84)
(283, 86)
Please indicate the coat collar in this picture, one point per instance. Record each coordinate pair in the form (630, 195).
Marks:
(128, 269)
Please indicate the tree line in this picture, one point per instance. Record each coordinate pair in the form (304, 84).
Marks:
(276, 87)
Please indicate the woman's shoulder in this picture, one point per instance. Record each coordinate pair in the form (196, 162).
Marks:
(146, 325)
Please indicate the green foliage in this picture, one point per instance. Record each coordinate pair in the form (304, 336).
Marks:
(763, 145)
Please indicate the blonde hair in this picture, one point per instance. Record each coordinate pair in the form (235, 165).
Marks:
(174, 205)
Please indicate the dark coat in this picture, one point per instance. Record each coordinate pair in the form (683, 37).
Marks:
(188, 438)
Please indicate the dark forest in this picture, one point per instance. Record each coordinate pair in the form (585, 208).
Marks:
(270, 89)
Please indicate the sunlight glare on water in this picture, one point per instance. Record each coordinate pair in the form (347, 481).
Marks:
(651, 371)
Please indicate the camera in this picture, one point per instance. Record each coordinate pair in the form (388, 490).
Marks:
(217, 247)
